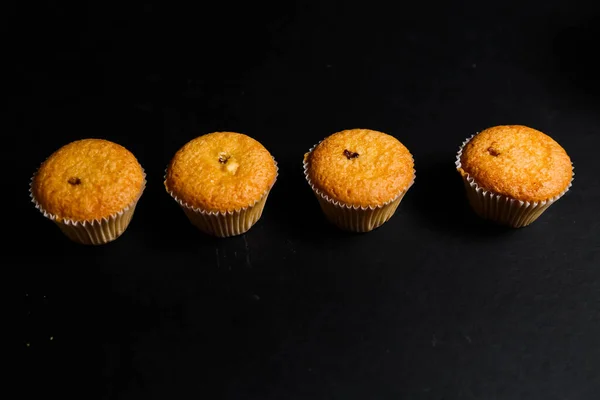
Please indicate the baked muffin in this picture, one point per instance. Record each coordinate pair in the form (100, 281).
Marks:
(221, 181)
(89, 188)
(513, 173)
(359, 177)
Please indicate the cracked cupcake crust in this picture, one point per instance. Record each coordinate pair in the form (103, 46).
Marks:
(516, 161)
(221, 171)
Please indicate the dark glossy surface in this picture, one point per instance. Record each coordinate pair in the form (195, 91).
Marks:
(436, 304)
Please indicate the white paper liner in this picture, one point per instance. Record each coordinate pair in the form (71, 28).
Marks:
(499, 208)
(96, 231)
(355, 218)
(225, 223)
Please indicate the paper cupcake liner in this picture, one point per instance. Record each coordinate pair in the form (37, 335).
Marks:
(499, 208)
(351, 217)
(96, 231)
(225, 223)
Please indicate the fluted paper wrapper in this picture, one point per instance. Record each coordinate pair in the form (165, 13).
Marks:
(93, 232)
(355, 218)
(226, 223)
(499, 208)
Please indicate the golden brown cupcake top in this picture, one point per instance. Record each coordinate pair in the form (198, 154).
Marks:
(88, 179)
(221, 171)
(360, 167)
(518, 162)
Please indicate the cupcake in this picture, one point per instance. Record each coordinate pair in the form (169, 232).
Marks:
(513, 173)
(359, 177)
(89, 188)
(222, 181)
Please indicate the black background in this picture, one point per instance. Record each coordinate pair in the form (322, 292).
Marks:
(436, 304)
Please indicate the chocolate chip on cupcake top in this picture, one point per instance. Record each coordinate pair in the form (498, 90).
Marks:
(360, 167)
(518, 162)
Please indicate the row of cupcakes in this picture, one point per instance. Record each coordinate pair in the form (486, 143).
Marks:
(221, 180)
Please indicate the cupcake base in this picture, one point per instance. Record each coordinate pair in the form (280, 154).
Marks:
(226, 224)
(97, 232)
(358, 219)
(502, 209)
